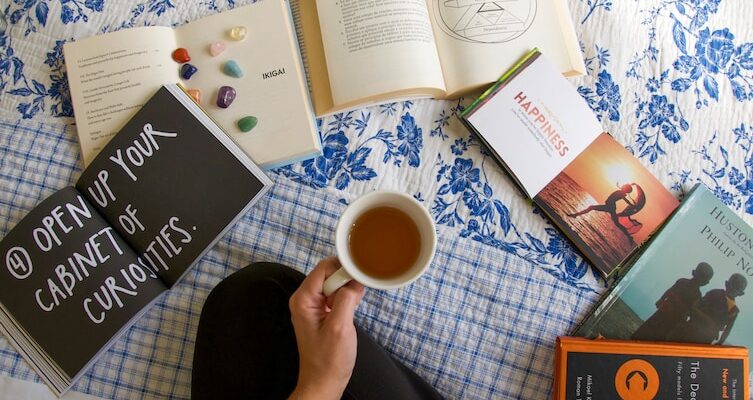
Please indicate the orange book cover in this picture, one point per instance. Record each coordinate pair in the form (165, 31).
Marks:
(590, 369)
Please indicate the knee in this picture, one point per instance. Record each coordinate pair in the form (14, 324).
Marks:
(256, 278)
(259, 272)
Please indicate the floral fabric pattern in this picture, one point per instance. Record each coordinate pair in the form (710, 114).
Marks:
(652, 110)
(670, 79)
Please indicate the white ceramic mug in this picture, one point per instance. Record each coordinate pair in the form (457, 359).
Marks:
(350, 270)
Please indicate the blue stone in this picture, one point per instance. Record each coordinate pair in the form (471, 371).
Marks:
(187, 71)
(233, 69)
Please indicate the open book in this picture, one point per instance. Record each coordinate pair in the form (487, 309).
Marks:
(548, 139)
(358, 52)
(112, 75)
(87, 261)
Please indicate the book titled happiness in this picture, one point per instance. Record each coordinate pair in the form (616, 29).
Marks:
(552, 145)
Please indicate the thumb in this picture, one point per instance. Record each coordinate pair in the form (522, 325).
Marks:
(345, 302)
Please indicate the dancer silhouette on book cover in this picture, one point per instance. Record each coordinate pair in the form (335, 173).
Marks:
(713, 315)
(622, 219)
(673, 307)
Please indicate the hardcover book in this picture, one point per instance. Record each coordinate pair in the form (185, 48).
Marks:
(84, 264)
(112, 75)
(549, 141)
(360, 52)
(689, 285)
(617, 369)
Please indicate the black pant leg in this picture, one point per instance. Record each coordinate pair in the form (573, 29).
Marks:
(245, 344)
(377, 375)
(246, 348)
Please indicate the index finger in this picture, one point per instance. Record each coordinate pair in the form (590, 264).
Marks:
(314, 282)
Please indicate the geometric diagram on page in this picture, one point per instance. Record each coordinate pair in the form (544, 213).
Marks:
(483, 21)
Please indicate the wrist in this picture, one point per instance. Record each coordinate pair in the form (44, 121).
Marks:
(318, 391)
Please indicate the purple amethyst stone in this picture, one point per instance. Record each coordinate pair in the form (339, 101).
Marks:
(225, 96)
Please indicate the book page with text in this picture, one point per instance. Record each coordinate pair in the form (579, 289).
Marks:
(377, 47)
(110, 78)
(478, 40)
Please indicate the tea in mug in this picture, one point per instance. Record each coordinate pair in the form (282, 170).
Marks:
(384, 242)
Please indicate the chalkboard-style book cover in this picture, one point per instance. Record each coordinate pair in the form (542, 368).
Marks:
(88, 260)
(553, 146)
(616, 369)
(689, 285)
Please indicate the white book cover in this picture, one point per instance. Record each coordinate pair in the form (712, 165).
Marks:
(537, 123)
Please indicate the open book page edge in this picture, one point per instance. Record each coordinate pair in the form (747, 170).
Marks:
(57, 380)
(309, 34)
(577, 65)
(306, 90)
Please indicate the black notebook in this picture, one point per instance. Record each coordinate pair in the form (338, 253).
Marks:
(86, 262)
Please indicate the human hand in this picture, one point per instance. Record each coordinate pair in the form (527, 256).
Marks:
(325, 334)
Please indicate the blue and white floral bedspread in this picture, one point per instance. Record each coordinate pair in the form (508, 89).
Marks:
(671, 79)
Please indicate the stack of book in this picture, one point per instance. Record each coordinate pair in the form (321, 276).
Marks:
(679, 271)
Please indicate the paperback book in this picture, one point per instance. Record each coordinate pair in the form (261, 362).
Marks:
(112, 75)
(689, 285)
(84, 264)
(617, 369)
(360, 52)
(596, 192)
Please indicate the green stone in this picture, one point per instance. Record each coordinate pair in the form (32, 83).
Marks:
(245, 124)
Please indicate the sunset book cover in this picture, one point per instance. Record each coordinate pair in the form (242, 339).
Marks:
(616, 369)
(689, 285)
(552, 145)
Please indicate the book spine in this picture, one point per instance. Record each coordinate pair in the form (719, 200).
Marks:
(530, 56)
(295, 13)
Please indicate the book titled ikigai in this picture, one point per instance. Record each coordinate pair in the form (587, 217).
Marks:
(691, 283)
(617, 369)
(243, 66)
(84, 264)
(552, 145)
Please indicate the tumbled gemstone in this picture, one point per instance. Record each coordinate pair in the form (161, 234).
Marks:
(180, 55)
(237, 33)
(247, 123)
(187, 70)
(216, 48)
(233, 69)
(195, 93)
(225, 96)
